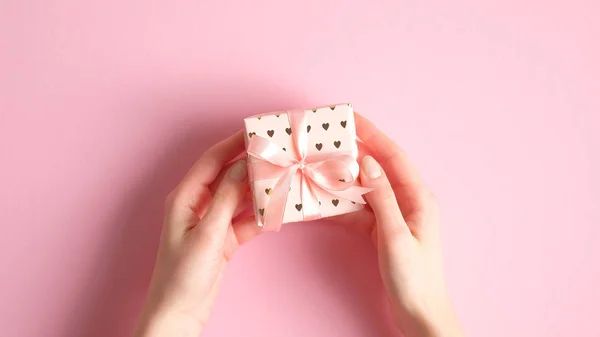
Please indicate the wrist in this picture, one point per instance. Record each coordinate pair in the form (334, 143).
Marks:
(156, 323)
(431, 321)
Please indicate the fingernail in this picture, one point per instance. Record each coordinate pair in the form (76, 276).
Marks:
(238, 171)
(371, 167)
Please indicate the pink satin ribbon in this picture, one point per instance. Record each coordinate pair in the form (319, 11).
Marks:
(335, 173)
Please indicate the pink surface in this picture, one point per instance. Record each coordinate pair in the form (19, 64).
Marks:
(104, 105)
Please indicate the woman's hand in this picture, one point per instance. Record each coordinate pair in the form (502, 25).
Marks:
(403, 223)
(198, 239)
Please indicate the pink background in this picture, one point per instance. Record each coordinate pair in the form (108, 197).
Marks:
(105, 104)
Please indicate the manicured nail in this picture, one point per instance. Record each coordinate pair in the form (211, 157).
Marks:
(371, 167)
(238, 171)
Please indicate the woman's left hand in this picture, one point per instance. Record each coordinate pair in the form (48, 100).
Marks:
(199, 237)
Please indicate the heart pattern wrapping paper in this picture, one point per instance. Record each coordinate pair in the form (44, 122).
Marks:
(329, 129)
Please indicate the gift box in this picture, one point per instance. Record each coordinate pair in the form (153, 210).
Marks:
(302, 165)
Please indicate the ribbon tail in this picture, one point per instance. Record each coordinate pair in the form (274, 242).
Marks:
(266, 150)
(310, 201)
(275, 209)
(352, 193)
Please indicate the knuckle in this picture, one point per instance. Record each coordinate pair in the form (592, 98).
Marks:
(220, 196)
(384, 195)
(426, 197)
(388, 197)
(229, 189)
(179, 197)
(396, 153)
(226, 188)
(210, 155)
(215, 150)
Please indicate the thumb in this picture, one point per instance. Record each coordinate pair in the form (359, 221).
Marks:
(227, 197)
(382, 200)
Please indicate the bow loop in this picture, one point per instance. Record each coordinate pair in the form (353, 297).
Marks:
(336, 174)
(266, 150)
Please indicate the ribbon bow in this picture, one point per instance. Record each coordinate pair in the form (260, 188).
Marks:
(335, 173)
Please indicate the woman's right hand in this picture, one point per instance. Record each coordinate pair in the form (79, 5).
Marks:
(404, 225)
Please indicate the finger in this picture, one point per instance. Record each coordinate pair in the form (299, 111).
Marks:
(411, 193)
(241, 231)
(363, 150)
(246, 229)
(242, 207)
(226, 200)
(390, 223)
(193, 189)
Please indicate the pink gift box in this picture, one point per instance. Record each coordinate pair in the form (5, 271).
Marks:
(330, 131)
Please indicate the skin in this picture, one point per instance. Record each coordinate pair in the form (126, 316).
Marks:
(202, 231)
